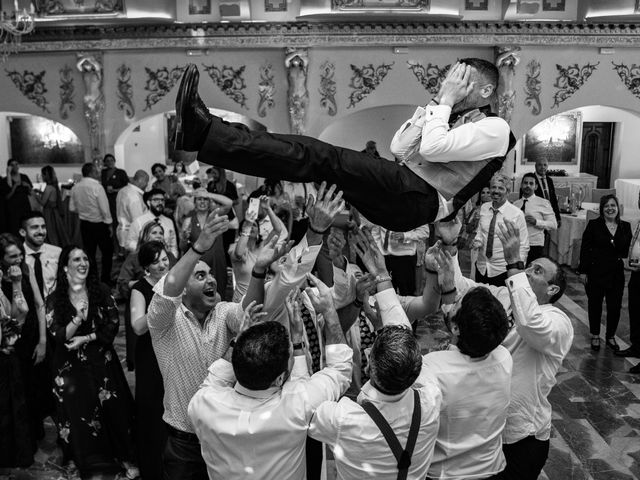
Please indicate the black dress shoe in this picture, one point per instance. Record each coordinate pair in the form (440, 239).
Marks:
(192, 115)
(635, 369)
(628, 352)
(595, 343)
(612, 344)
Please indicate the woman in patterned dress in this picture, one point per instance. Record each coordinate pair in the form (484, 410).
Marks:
(94, 412)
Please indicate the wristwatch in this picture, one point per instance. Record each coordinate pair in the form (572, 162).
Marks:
(517, 265)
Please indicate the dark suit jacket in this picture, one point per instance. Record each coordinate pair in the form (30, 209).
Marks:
(552, 196)
(601, 254)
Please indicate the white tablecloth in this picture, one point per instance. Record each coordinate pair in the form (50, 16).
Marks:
(564, 246)
(627, 190)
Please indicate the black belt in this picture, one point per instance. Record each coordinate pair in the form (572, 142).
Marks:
(181, 435)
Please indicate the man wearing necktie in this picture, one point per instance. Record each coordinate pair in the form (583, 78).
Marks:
(448, 151)
(491, 265)
(41, 257)
(545, 188)
(538, 215)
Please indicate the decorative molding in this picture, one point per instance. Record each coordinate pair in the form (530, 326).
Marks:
(125, 92)
(91, 67)
(230, 81)
(31, 85)
(266, 90)
(508, 58)
(328, 88)
(78, 8)
(570, 79)
(365, 80)
(275, 5)
(159, 83)
(630, 76)
(533, 87)
(48, 38)
(430, 76)
(67, 103)
(395, 5)
(296, 62)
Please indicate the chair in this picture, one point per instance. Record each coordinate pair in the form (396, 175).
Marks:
(591, 215)
(598, 193)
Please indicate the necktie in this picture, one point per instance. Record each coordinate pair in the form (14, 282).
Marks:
(524, 203)
(37, 269)
(545, 190)
(385, 244)
(491, 234)
(366, 341)
(312, 337)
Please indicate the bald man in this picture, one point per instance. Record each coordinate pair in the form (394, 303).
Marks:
(129, 204)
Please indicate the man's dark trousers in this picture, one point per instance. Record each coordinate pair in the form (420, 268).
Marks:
(385, 192)
(96, 235)
(525, 458)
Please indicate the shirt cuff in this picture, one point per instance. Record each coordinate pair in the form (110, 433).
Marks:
(386, 298)
(518, 280)
(337, 353)
(300, 366)
(223, 370)
(442, 112)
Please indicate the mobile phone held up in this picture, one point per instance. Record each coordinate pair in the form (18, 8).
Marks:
(252, 209)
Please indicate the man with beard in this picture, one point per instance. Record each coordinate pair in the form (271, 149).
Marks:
(154, 199)
(449, 149)
(41, 257)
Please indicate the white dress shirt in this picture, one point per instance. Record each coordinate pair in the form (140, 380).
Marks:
(538, 343)
(49, 255)
(89, 200)
(475, 398)
(170, 239)
(426, 140)
(360, 449)
(497, 264)
(261, 434)
(399, 248)
(129, 206)
(185, 349)
(543, 213)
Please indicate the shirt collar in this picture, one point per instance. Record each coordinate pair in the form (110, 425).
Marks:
(90, 179)
(372, 394)
(261, 394)
(136, 188)
(28, 250)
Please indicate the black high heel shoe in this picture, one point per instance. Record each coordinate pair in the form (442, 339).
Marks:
(595, 344)
(612, 344)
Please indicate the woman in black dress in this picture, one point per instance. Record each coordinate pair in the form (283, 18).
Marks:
(94, 413)
(16, 443)
(30, 348)
(605, 242)
(151, 433)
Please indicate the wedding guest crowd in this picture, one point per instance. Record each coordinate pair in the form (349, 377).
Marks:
(262, 332)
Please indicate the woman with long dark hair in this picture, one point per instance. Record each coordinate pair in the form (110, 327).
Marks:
(605, 242)
(30, 348)
(94, 412)
(52, 208)
(150, 429)
(16, 442)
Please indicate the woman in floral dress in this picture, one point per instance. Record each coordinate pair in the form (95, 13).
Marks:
(94, 413)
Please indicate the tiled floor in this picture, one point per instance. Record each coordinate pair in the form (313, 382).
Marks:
(596, 422)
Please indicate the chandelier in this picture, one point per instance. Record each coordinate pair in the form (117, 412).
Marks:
(13, 27)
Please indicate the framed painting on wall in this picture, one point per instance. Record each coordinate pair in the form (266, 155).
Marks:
(558, 139)
(40, 141)
(191, 11)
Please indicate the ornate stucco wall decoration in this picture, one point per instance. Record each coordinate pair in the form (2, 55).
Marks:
(365, 80)
(66, 92)
(125, 92)
(533, 87)
(430, 77)
(79, 7)
(159, 83)
(630, 76)
(230, 81)
(90, 67)
(328, 88)
(508, 58)
(296, 61)
(266, 90)
(31, 85)
(570, 79)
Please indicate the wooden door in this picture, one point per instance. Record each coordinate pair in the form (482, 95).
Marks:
(597, 146)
